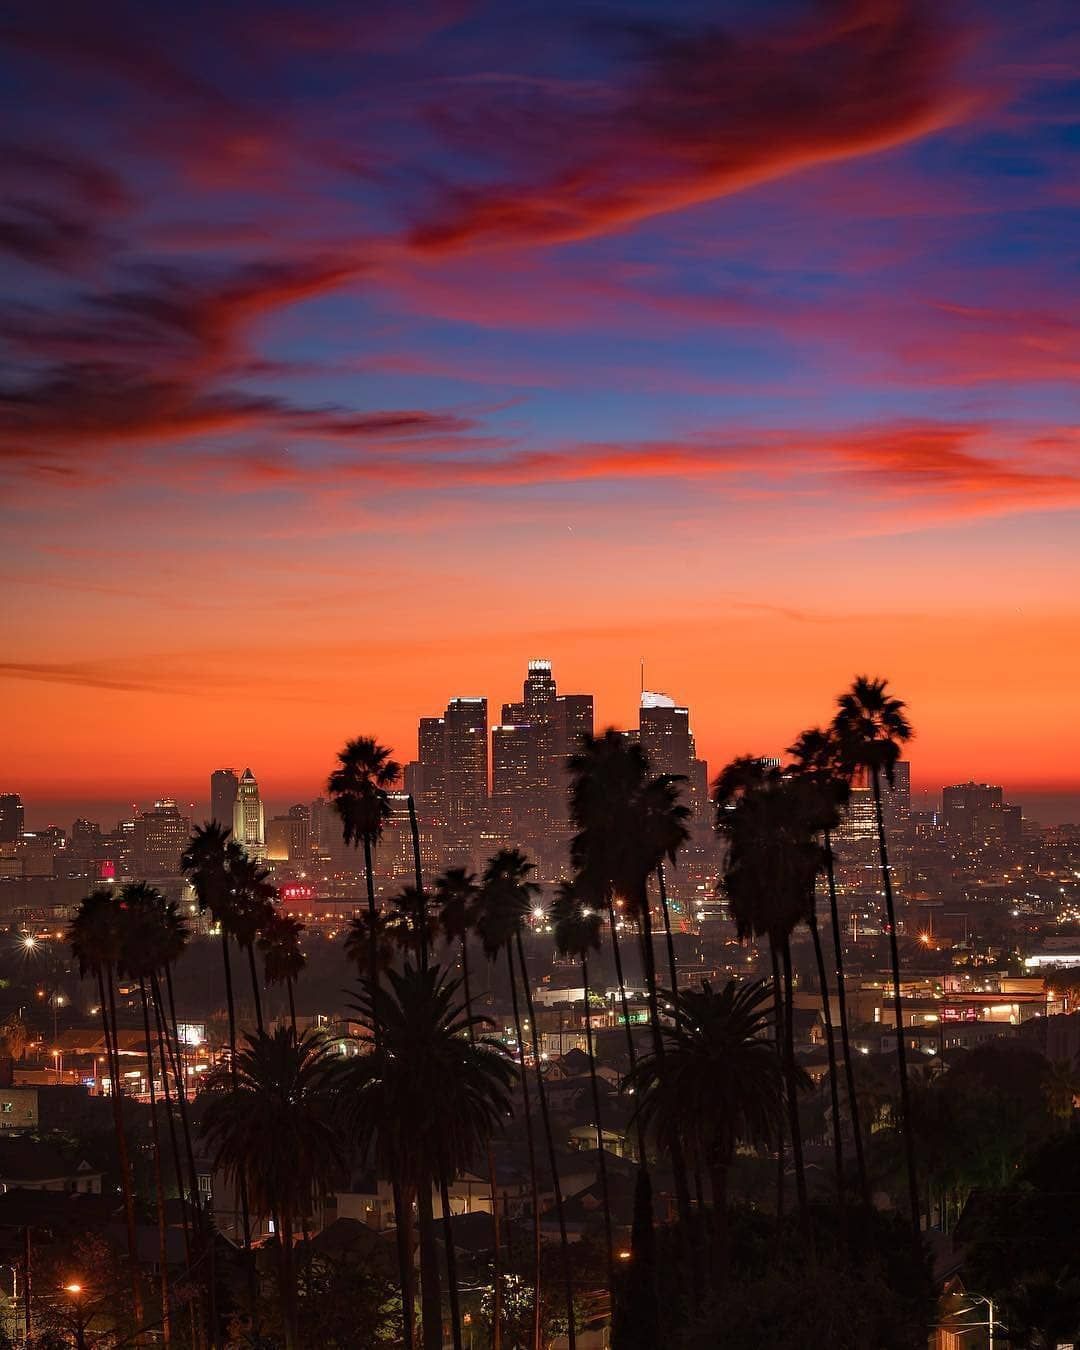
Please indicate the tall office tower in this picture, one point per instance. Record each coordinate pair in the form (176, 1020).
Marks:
(664, 730)
(12, 820)
(573, 720)
(896, 799)
(161, 835)
(961, 803)
(430, 778)
(534, 719)
(288, 837)
(223, 788)
(465, 762)
(85, 830)
(249, 822)
(518, 780)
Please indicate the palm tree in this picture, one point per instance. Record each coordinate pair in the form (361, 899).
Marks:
(717, 1083)
(769, 869)
(427, 1098)
(577, 933)
(456, 892)
(142, 932)
(94, 938)
(283, 958)
(870, 727)
(359, 789)
(816, 761)
(250, 909)
(207, 861)
(506, 902)
(277, 1130)
(362, 933)
(626, 824)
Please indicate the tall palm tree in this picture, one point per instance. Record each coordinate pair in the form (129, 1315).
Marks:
(456, 893)
(769, 869)
(207, 861)
(383, 932)
(506, 902)
(141, 908)
(427, 1097)
(870, 727)
(359, 788)
(815, 755)
(250, 909)
(95, 941)
(718, 1083)
(283, 957)
(577, 933)
(277, 1128)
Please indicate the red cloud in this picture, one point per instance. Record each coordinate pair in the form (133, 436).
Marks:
(710, 114)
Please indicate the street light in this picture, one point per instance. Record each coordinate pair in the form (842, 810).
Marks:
(990, 1323)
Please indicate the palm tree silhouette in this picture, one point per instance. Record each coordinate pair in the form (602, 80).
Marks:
(718, 1083)
(384, 933)
(283, 957)
(457, 895)
(577, 933)
(95, 941)
(456, 892)
(870, 727)
(277, 1130)
(769, 869)
(815, 753)
(207, 861)
(507, 900)
(359, 788)
(427, 1098)
(250, 909)
(142, 935)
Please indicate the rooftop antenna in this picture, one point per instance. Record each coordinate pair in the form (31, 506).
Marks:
(642, 674)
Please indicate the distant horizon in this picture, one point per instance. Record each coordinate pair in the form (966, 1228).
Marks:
(1047, 806)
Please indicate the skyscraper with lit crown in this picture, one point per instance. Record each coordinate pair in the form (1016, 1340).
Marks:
(249, 823)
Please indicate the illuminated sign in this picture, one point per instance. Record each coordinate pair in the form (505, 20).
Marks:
(296, 892)
(955, 1014)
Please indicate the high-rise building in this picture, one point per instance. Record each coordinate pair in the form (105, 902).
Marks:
(664, 732)
(161, 835)
(248, 817)
(465, 761)
(12, 822)
(223, 788)
(288, 837)
(977, 812)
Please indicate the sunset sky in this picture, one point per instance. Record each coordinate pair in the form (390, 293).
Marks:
(355, 353)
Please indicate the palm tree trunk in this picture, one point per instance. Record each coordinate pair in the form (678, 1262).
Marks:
(613, 928)
(245, 1212)
(673, 969)
(403, 1227)
(537, 1342)
(112, 1054)
(288, 1278)
(250, 949)
(178, 1169)
(678, 1161)
(845, 1038)
(792, 1090)
(292, 1006)
(496, 1255)
(545, 1118)
(373, 915)
(778, 1035)
(430, 1290)
(901, 1048)
(600, 1155)
(414, 830)
(834, 1086)
(451, 1262)
(159, 1189)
